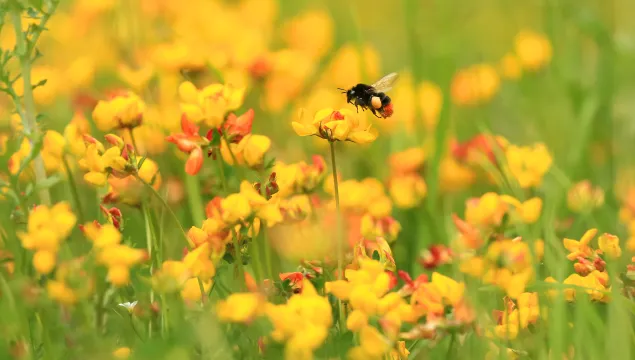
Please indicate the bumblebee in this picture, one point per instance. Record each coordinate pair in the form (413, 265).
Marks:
(373, 96)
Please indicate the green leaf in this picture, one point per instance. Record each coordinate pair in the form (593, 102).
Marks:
(270, 163)
(40, 83)
(48, 182)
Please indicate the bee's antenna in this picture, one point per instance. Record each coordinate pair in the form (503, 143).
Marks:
(343, 90)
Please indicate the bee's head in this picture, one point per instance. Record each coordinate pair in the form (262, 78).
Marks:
(350, 94)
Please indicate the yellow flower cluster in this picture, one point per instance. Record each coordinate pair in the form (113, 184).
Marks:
(47, 228)
(366, 292)
(189, 276)
(302, 323)
(117, 257)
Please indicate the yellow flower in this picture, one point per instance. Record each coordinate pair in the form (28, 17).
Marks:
(53, 151)
(340, 125)
(533, 50)
(118, 259)
(102, 236)
(510, 67)
(302, 322)
(373, 343)
(74, 134)
(580, 248)
(407, 191)
(311, 33)
(122, 353)
(527, 212)
(346, 67)
(124, 110)
(249, 151)
(610, 245)
(240, 307)
(453, 176)
(488, 210)
(46, 229)
(475, 85)
(210, 104)
(527, 164)
(528, 309)
(235, 207)
(192, 291)
(584, 197)
(136, 78)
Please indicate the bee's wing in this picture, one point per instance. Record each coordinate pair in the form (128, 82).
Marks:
(385, 84)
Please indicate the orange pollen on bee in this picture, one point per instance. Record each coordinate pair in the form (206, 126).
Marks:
(336, 115)
(387, 110)
(376, 102)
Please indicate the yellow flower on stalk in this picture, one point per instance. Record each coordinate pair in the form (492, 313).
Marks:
(302, 323)
(240, 307)
(336, 125)
(210, 104)
(488, 210)
(102, 236)
(119, 259)
(528, 164)
(46, 229)
(123, 110)
(249, 151)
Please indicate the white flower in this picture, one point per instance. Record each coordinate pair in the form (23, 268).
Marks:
(129, 305)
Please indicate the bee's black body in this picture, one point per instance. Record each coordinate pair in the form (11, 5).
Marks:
(361, 95)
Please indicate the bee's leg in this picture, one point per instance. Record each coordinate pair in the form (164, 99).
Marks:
(374, 112)
(357, 107)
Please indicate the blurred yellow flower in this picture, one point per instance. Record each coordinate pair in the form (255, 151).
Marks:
(510, 67)
(138, 78)
(475, 85)
(123, 110)
(584, 197)
(533, 50)
(210, 104)
(528, 164)
(407, 191)
(240, 307)
(346, 68)
(311, 32)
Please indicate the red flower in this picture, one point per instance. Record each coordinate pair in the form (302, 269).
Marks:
(236, 127)
(484, 144)
(190, 142)
(434, 256)
(295, 280)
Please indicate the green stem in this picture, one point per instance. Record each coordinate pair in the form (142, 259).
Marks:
(168, 208)
(238, 259)
(221, 172)
(339, 235)
(28, 114)
(150, 245)
(74, 190)
(194, 198)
